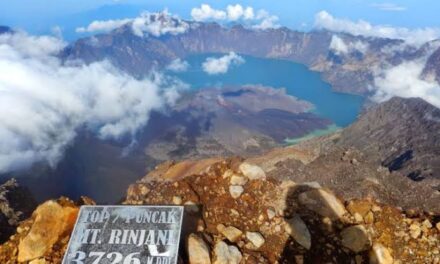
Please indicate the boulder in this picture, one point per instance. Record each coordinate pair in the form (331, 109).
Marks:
(230, 232)
(356, 238)
(252, 172)
(51, 221)
(238, 180)
(224, 254)
(298, 230)
(198, 250)
(323, 203)
(256, 239)
(379, 254)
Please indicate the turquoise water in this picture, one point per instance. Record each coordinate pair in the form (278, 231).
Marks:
(299, 81)
(317, 133)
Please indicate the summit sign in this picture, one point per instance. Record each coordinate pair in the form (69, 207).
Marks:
(125, 235)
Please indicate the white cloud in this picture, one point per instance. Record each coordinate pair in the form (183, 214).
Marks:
(44, 103)
(237, 12)
(266, 20)
(260, 19)
(338, 45)
(324, 20)
(156, 24)
(404, 80)
(178, 65)
(214, 66)
(103, 25)
(206, 12)
(389, 7)
(32, 46)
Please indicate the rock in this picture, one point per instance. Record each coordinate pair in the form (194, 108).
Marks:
(238, 180)
(314, 185)
(191, 206)
(198, 251)
(16, 204)
(228, 173)
(299, 259)
(298, 230)
(369, 218)
(438, 226)
(355, 238)
(236, 191)
(230, 232)
(358, 218)
(221, 253)
(51, 221)
(380, 255)
(270, 213)
(323, 203)
(224, 254)
(144, 190)
(252, 172)
(256, 239)
(38, 261)
(360, 207)
(427, 224)
(177, 200)
(414, 230)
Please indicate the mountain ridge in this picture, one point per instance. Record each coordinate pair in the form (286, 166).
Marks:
(122, 48)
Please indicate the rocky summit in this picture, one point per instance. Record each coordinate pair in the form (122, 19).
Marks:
(236, 213)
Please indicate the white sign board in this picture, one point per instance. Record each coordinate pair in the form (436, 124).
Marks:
(125, 235)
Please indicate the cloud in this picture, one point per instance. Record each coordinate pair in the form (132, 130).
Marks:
(206, 12)
(389, 7)
(214, 66)
(260, 19)
(404, 80)
(32, 46)
(178, 65)
(44, 103)
(324, 20)
(103, 25)
(338, 45)
(237, 12)
(156, 24)
(267, 21)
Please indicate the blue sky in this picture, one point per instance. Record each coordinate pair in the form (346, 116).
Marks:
(40, 16)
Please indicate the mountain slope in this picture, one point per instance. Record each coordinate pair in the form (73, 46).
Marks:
(403, 134)
(235, 213)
